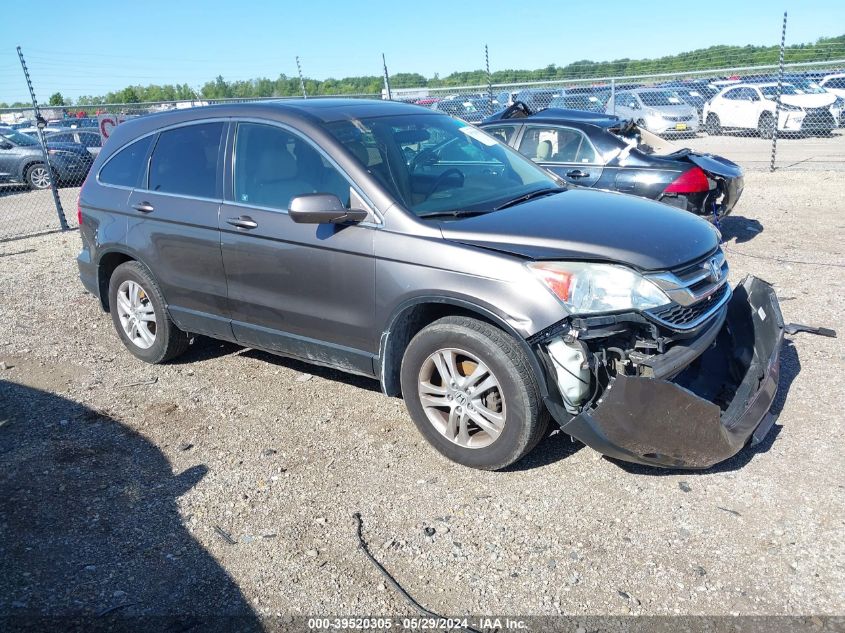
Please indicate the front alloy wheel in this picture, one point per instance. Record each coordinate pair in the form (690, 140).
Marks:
(462, 398)
(472, 393)
(38, 177)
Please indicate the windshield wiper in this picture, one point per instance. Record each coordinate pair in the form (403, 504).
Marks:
(529, 196)
(451, 214)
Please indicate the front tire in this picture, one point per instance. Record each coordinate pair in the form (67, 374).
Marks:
(766, 125)
(471, 392)
(140, 317)
(37, 176)
(713, 126)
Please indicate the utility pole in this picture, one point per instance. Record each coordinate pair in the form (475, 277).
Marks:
(386, 79)
(780, 88)
(40, 124)
(301, 80)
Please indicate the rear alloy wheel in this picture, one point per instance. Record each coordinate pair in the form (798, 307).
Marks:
(38, 176)
(140, 317)
(472, 394)
(713, 126)
(766, 125)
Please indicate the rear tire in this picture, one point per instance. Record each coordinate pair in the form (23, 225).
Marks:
(37, 176)
(140, 315)
(713, 126)
(766, 125)
(491, 381)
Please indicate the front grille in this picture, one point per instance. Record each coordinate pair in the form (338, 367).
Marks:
(818, 119)
(679, 118)
(685, 317)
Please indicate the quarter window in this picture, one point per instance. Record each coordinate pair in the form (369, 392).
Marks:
(184, 160)
(127, 166)
(273, 165)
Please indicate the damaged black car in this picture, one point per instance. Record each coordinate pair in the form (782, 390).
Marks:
(606, 152)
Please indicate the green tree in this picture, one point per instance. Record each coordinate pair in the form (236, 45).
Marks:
(56, 99)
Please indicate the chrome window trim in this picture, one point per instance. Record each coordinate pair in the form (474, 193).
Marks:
(372, 209)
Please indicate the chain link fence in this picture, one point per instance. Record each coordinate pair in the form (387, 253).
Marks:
(765, 115)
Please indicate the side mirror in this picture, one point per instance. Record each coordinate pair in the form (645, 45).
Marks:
(322, 208)
(6, 145)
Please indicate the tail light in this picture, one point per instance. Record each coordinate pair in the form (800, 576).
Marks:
(79, 203)
(691, 181)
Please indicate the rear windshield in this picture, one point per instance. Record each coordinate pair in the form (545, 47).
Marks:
(660, 98)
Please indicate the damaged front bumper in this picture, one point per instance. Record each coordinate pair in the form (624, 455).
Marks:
(709, 409)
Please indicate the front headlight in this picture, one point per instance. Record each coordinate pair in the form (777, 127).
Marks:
(787, 107)
(589, 288)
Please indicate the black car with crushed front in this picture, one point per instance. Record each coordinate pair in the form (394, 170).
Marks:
(606, 152)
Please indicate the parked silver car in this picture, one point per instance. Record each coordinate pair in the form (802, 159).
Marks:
(656, 109)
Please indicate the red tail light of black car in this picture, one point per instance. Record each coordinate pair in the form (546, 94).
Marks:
(691, 181)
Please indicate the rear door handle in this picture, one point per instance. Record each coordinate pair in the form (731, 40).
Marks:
(144, 207)
(577, 173)
(243, 222)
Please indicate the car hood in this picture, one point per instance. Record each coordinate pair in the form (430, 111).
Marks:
(589, 225)
(672, 110)
(810, 101)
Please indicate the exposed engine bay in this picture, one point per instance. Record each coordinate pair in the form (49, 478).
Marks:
(635, 390)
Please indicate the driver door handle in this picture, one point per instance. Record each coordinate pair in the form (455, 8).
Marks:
(577, 173)
(243, 222)
(144, 207)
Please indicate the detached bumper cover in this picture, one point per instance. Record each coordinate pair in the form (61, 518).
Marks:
(710, 410)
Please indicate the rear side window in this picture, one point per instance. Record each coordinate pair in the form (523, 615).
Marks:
(502, 132)
(184, 160)
(127, 166)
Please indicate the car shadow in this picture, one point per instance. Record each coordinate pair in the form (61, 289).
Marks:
(790, 367)
(556, 446)
(91, 537)
(739, 229)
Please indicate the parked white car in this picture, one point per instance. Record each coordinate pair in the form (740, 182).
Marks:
(751, 106)
(835, 84)
(658, 110)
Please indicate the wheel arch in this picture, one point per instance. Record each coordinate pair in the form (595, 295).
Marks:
(106, 265)
(413, 315)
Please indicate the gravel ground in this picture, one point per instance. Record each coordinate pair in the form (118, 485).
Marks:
(225, 482)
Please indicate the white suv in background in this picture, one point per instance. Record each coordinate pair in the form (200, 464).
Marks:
(751, 106)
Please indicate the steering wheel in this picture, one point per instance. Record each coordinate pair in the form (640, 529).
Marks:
(442, 178)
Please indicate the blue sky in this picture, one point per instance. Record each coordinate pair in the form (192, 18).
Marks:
(90, 49)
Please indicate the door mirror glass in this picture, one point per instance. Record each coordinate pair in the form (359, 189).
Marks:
(322, 208)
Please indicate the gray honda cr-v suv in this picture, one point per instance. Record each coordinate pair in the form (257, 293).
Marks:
(396, 242)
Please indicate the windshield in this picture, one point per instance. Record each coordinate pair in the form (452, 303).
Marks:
(808, 87)
(437, 164)
(771, 92)
(659, 98)
(20, 139)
